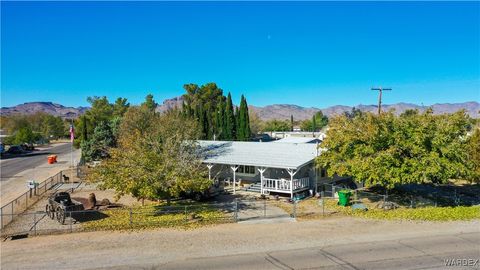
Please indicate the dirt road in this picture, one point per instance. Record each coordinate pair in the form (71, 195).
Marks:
(348, 240)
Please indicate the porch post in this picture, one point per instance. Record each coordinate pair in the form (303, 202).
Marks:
(292, 173)
(261, 170)
(209, 166)
(234, 169)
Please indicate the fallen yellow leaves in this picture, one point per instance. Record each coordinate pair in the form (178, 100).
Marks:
(154, 216)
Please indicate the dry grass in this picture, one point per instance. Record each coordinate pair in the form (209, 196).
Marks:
(312, 208)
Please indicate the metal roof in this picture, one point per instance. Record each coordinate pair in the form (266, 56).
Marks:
(292, 139)
(260, 154)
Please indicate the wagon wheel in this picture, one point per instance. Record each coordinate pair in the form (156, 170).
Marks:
(49, 211)
(52, 212)
(60, 215)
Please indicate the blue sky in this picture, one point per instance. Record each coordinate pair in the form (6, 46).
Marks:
(310, 54)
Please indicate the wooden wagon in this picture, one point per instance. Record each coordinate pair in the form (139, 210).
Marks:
(60, 205)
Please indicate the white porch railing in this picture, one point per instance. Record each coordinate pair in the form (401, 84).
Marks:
(283, 185)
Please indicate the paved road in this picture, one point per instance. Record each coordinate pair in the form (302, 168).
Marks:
(15, 165)
(415, 253)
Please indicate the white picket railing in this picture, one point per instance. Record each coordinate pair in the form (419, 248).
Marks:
(283, 185)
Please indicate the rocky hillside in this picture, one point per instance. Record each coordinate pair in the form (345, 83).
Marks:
(46, 107)
(169, 104)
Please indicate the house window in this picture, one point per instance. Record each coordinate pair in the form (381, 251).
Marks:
(323, 173)
(246, 169)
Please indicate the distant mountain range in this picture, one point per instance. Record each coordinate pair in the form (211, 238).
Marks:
(46, 107)
(283, 111)
(276, 111)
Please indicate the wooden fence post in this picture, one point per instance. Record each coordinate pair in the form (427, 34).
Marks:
(131, 217)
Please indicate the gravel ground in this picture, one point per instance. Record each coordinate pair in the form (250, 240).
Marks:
(111, 249)
(34, 219)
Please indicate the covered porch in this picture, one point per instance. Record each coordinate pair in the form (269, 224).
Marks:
(284, 186)
(271, 168)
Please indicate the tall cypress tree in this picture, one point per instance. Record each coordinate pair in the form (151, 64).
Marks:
(236, 130)
(201, 117)
(219, 120)
(229, 120)
(206, 125)
(291, 122)
(243, 126)
(210, 122)
(314, 123)
(240, 120)
(247, 130)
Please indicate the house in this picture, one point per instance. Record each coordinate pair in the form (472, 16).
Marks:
(292, 139)
(278, 168)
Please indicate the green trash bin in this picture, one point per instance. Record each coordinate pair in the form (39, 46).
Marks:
(344, 197)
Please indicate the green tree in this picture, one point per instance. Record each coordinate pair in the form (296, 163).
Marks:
(229, 120)
(388, 150)
(256, 124)
(53, 127)
(314, 124)
(321, 120)
(98, 146)
(13, 123)
(201, 102)
(277, 125)
(243, 129)
(120, 107)
(317, 122)
(101, 110)
(306, 125)
(216, 113)
(219, 120)
(353, 113)
(24, 135)
(84, 128)
(149, 103)
(243, 123)
(166, 159)
(291, 122)
(473, 148)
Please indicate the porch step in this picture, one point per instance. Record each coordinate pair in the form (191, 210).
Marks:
(254, 187)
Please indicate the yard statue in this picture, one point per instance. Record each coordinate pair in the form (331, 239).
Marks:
(92, 200)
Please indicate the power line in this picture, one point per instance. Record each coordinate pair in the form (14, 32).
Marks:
(380, 91)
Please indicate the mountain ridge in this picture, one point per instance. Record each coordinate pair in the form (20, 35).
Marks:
(269, 112)
(46, 107)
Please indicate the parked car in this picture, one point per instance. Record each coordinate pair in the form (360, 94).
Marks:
(15, 149)
(28, 146)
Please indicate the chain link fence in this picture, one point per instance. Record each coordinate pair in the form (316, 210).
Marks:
(124, 218)
(23, 202)
(411, 196)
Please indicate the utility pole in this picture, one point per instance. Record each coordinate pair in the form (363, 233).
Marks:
(380, 90)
